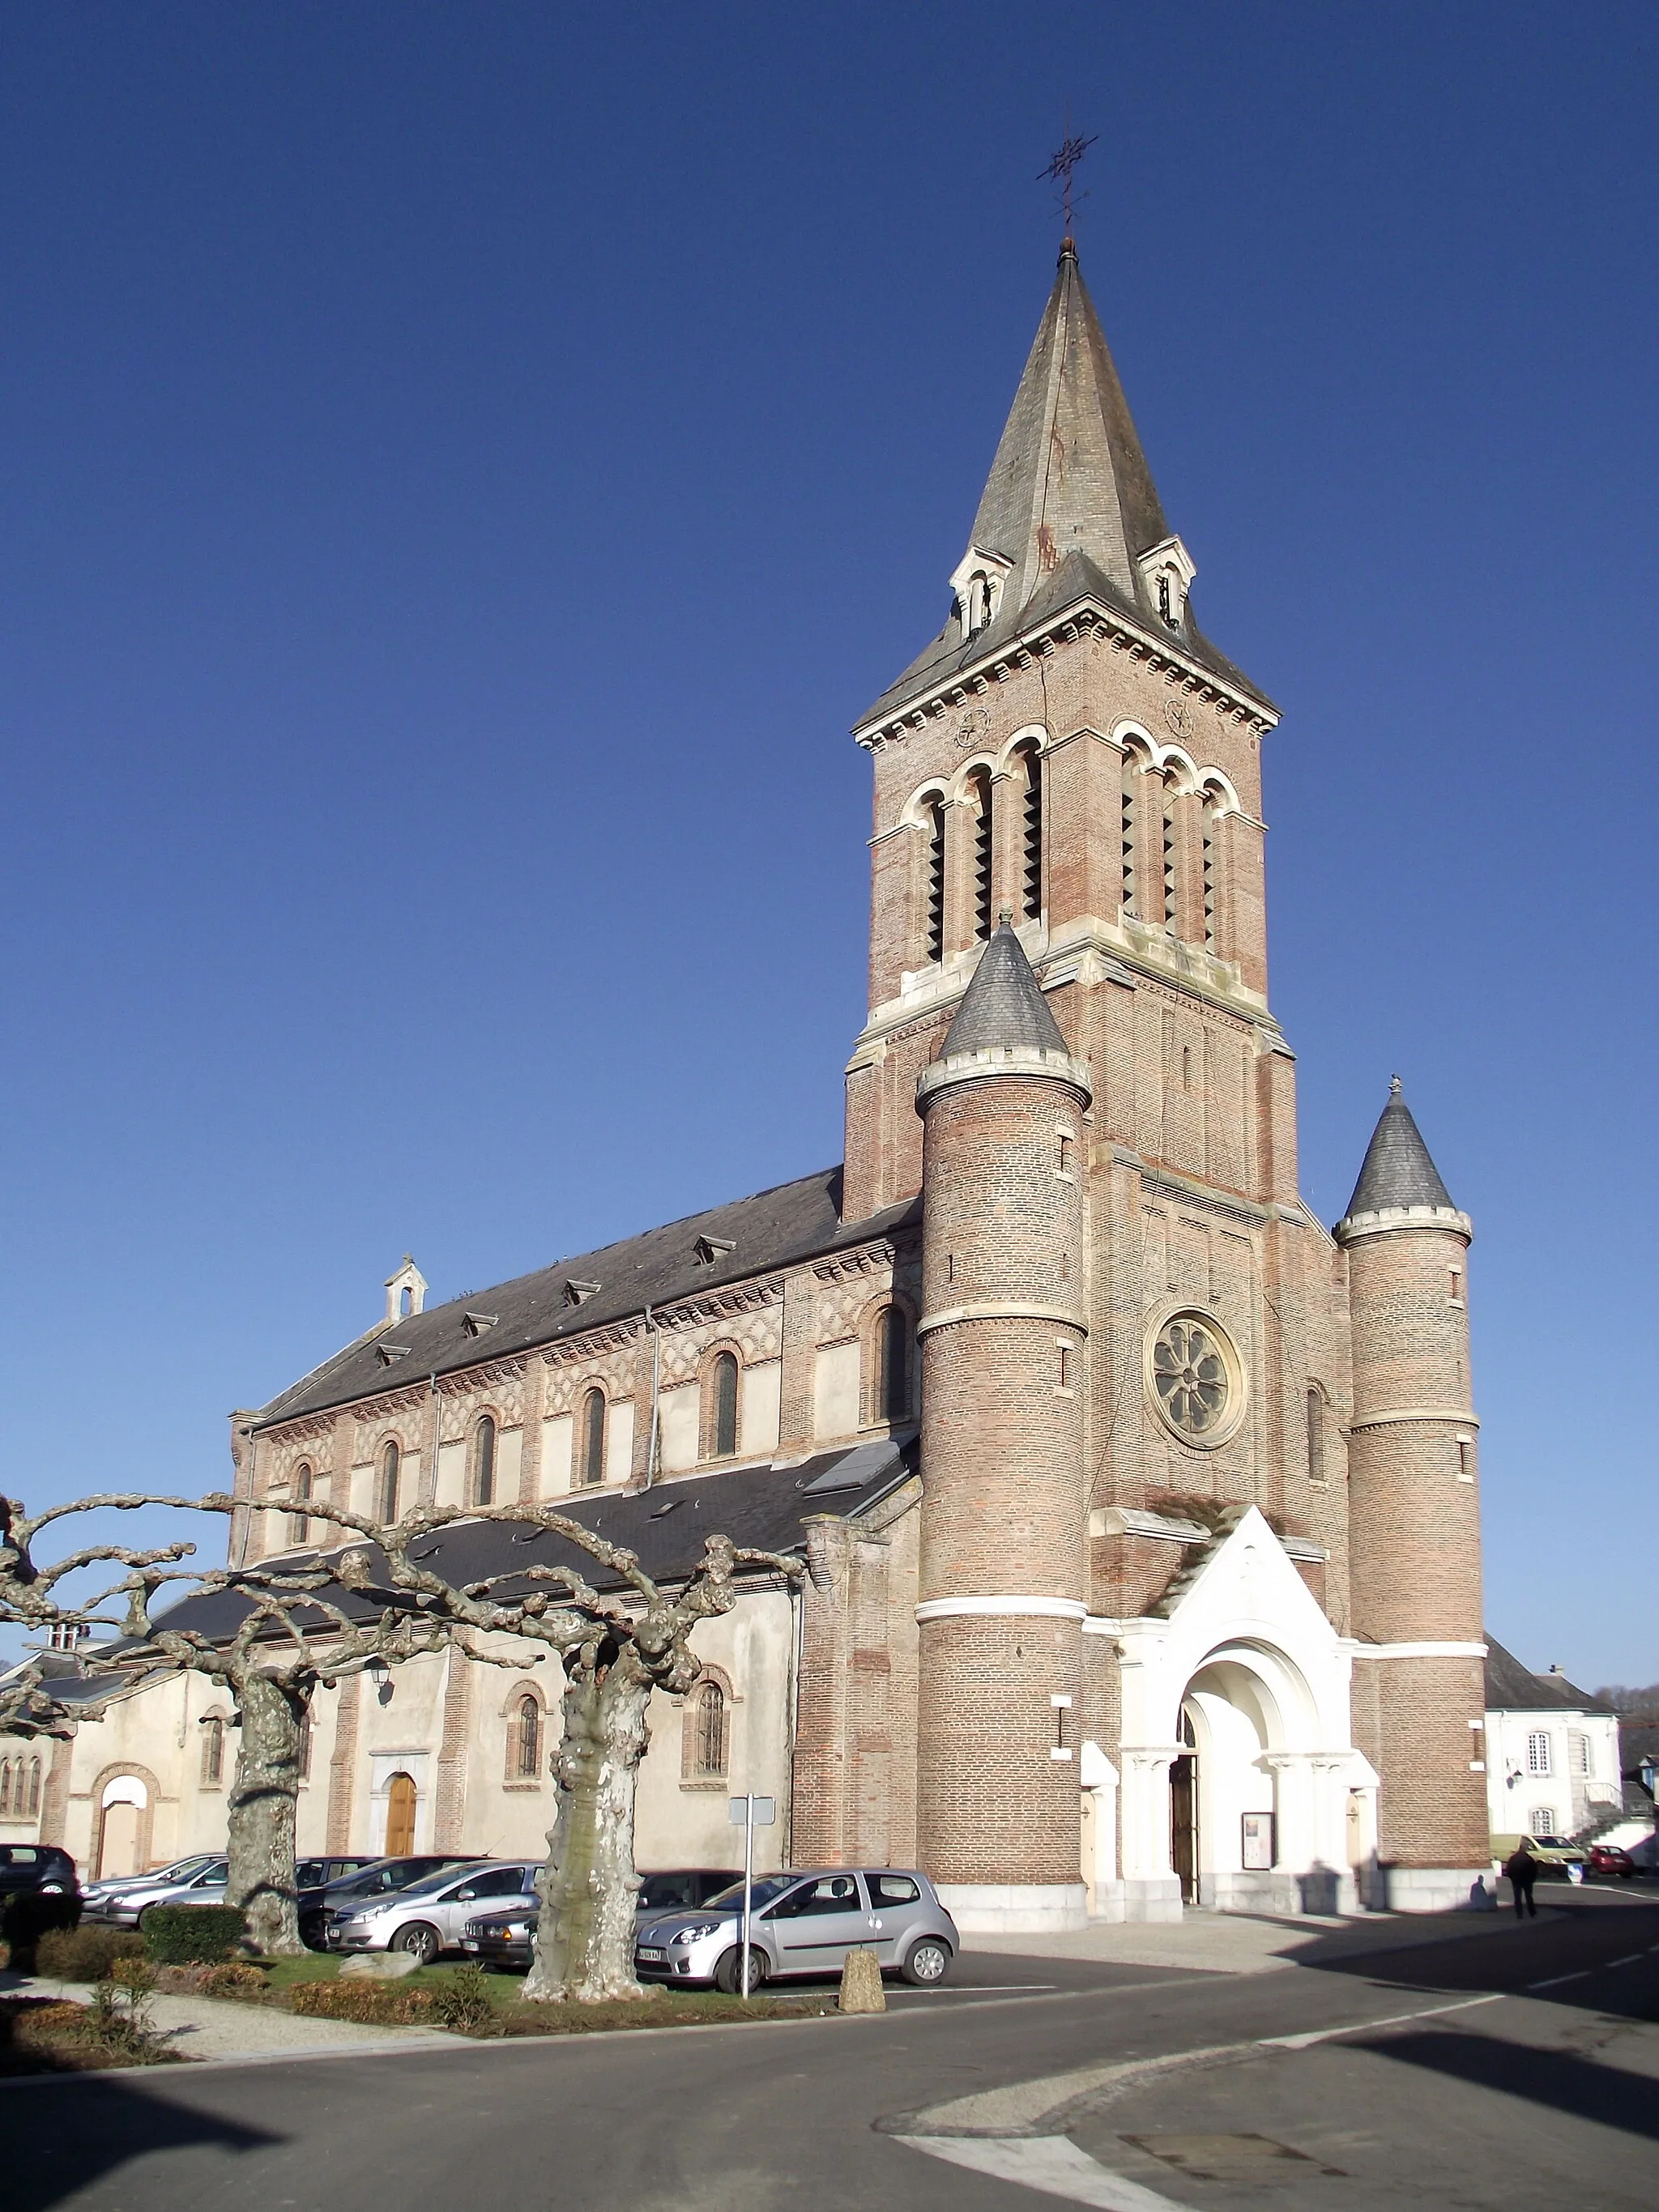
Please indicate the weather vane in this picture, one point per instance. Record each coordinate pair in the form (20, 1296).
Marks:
(1060, 169)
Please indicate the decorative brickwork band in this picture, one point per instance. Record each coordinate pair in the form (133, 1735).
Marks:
(1000, 1309)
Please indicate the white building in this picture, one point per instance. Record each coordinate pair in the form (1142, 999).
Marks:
(1553, 1763)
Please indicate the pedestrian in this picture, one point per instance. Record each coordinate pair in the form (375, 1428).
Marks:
(1521, 1868)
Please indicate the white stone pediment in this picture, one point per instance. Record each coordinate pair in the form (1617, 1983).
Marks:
(1247, 1582)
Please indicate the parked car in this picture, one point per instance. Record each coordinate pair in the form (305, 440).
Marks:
(127, 1906)
(805, 1923)
(662, 1893)
(504, 1938)
(1610, 1858)
(363, 1880)
(427, 1917)
(120, 1884)
(1555, 1853)
(43, 1869)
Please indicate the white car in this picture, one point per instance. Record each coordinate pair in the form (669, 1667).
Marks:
(429, 1916)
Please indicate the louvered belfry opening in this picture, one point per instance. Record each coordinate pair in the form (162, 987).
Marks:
(1031, 884)
(983, 831)
(936, 881)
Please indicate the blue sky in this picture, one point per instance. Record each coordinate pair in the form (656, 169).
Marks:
(466, 468)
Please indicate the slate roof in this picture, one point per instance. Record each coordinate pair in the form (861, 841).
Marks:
(1003, 1004)
(1070, 500)
(776, 1228)
(1397, 1169)
(1511, 1687)
(760, 1508)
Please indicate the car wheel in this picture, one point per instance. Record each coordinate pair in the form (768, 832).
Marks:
(728, 1975)
(420, 1937)
(314, 1932)
(927, 1963)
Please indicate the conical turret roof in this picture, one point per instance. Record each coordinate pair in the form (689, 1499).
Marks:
(1397, 1169)
(1070, 499)
(1003, 1005)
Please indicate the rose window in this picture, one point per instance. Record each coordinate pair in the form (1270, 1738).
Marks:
(1189, 1373)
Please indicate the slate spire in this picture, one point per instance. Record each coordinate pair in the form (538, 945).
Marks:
(1069, 475)
(1397, 1169)
(1004, 1004)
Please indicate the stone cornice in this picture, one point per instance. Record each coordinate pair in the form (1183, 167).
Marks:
(1088, 616)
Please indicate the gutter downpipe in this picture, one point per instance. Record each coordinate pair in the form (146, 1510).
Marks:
(656, 1386)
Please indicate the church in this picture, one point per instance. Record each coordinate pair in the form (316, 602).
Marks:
(1139, 1509)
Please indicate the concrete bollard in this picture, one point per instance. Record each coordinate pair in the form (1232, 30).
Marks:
(860, 1984)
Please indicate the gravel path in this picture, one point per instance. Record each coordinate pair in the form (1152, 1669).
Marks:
(220, 2027)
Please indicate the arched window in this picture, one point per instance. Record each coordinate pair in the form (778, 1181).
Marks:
(34, 1804)
(299, 1524)
(524, 1740)
(710, 1755)
(1131, 830)
(983, 848)
(1209, 923)
(1030, 874)
(213, 1752)
(594, 1436)
(934, 897)
(1316, 1433)
(304, 1745)
(483, 1463)
(892, 1392)
(6, 1787)
(386, 1502)
(724, 1425)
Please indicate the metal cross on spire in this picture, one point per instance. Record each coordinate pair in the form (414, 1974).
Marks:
(1060, 170)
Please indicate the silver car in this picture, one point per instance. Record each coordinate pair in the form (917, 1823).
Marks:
(127, 1906)
(805, 1923)
(429, 1916)
(97, 1893)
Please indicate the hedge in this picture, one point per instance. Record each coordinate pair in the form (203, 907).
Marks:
(85, 1953)
(192, 1935)
(27, 1916)
(377, 2004)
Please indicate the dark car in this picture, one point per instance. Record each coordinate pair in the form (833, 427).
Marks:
(502, 1940)
(505, 1938)
(1609, 1858)
(43, 1868)
(372, 1878)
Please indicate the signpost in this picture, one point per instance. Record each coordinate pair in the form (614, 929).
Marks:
(749, 1813)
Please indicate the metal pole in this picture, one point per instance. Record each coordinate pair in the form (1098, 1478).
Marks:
(748, 1882)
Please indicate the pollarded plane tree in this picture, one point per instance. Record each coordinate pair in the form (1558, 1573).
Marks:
(292, 1637)
(615, 1647)
(287, 1632)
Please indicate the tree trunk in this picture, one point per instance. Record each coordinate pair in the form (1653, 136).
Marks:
(584, 1931)
(262, 1798)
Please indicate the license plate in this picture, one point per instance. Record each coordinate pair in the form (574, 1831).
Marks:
(655, 1956)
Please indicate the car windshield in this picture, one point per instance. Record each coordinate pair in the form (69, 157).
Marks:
(769, 1886)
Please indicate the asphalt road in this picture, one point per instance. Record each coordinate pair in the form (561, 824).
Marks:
(1542, 2092)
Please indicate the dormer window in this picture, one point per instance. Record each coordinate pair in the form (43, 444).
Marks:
(976, 589)
(578, 1293)
(475, 1324)
(710, 1248)
(1167, 571)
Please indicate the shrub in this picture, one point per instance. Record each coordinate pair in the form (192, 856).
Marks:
(29, 1914)
(235, 1978)
(463, 2002)
(192, 1935)
(85, 1953)
(375, 2004)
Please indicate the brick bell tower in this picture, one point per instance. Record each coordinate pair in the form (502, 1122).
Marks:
(1415, 1514)
(1003, 1577)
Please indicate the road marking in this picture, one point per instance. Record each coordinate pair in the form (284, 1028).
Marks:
(1360, 2026)
(1555, 1980)
(990, 1989)
(1630, 1961)
(1052, 2164)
